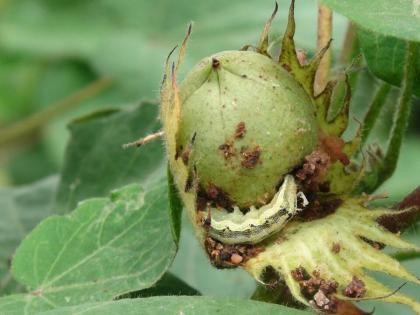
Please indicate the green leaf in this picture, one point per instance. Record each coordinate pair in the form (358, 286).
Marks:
(105, 248)
(20, 210)
(167, 285)
(95, 162)
(388, 17)
(385, 57)
(179, 305)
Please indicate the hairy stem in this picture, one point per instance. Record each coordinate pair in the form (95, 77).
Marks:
(145, 140)
(384, 168)
(402, 113)
(28, 125)
(375, 108)
(324, 35)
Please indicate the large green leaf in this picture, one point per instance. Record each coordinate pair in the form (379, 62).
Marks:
(95, 162)
(388, 17)
(20, 210)
(385, 56)
(179, 305)
(105, 248)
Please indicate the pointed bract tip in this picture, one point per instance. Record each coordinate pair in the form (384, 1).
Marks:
(184, 46)
(165, 73)
(276, 8)
(325, 48)
(329, 42)
(292, 6)
(189, 28)
(170, 53)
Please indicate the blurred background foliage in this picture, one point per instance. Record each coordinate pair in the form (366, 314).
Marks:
(51, 50)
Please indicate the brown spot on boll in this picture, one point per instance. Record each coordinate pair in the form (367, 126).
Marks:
(178, 152)
(185, 156)
(227, 150)
(299, 274)
(355, 289)
(240, 130)
(313, 170)
(188, 183)
(213, 196)
(215, 63)
(250, 157)
(336, 248)
(286, 67)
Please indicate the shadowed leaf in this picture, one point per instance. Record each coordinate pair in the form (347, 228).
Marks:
(95, 162)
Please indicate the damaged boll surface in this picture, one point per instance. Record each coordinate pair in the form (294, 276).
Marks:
(252, 123)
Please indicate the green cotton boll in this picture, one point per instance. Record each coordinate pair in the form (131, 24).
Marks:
(251, 121)
(238, 130)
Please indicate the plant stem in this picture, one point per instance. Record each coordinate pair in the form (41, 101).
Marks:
(145, 140)
(402, 113)
(324, 35)
(30, 124)
(383, 169)
(375, 108)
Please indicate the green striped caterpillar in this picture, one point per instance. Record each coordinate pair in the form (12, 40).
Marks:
(257, 224)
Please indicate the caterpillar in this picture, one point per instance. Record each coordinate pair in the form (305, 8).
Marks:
(257, 224)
